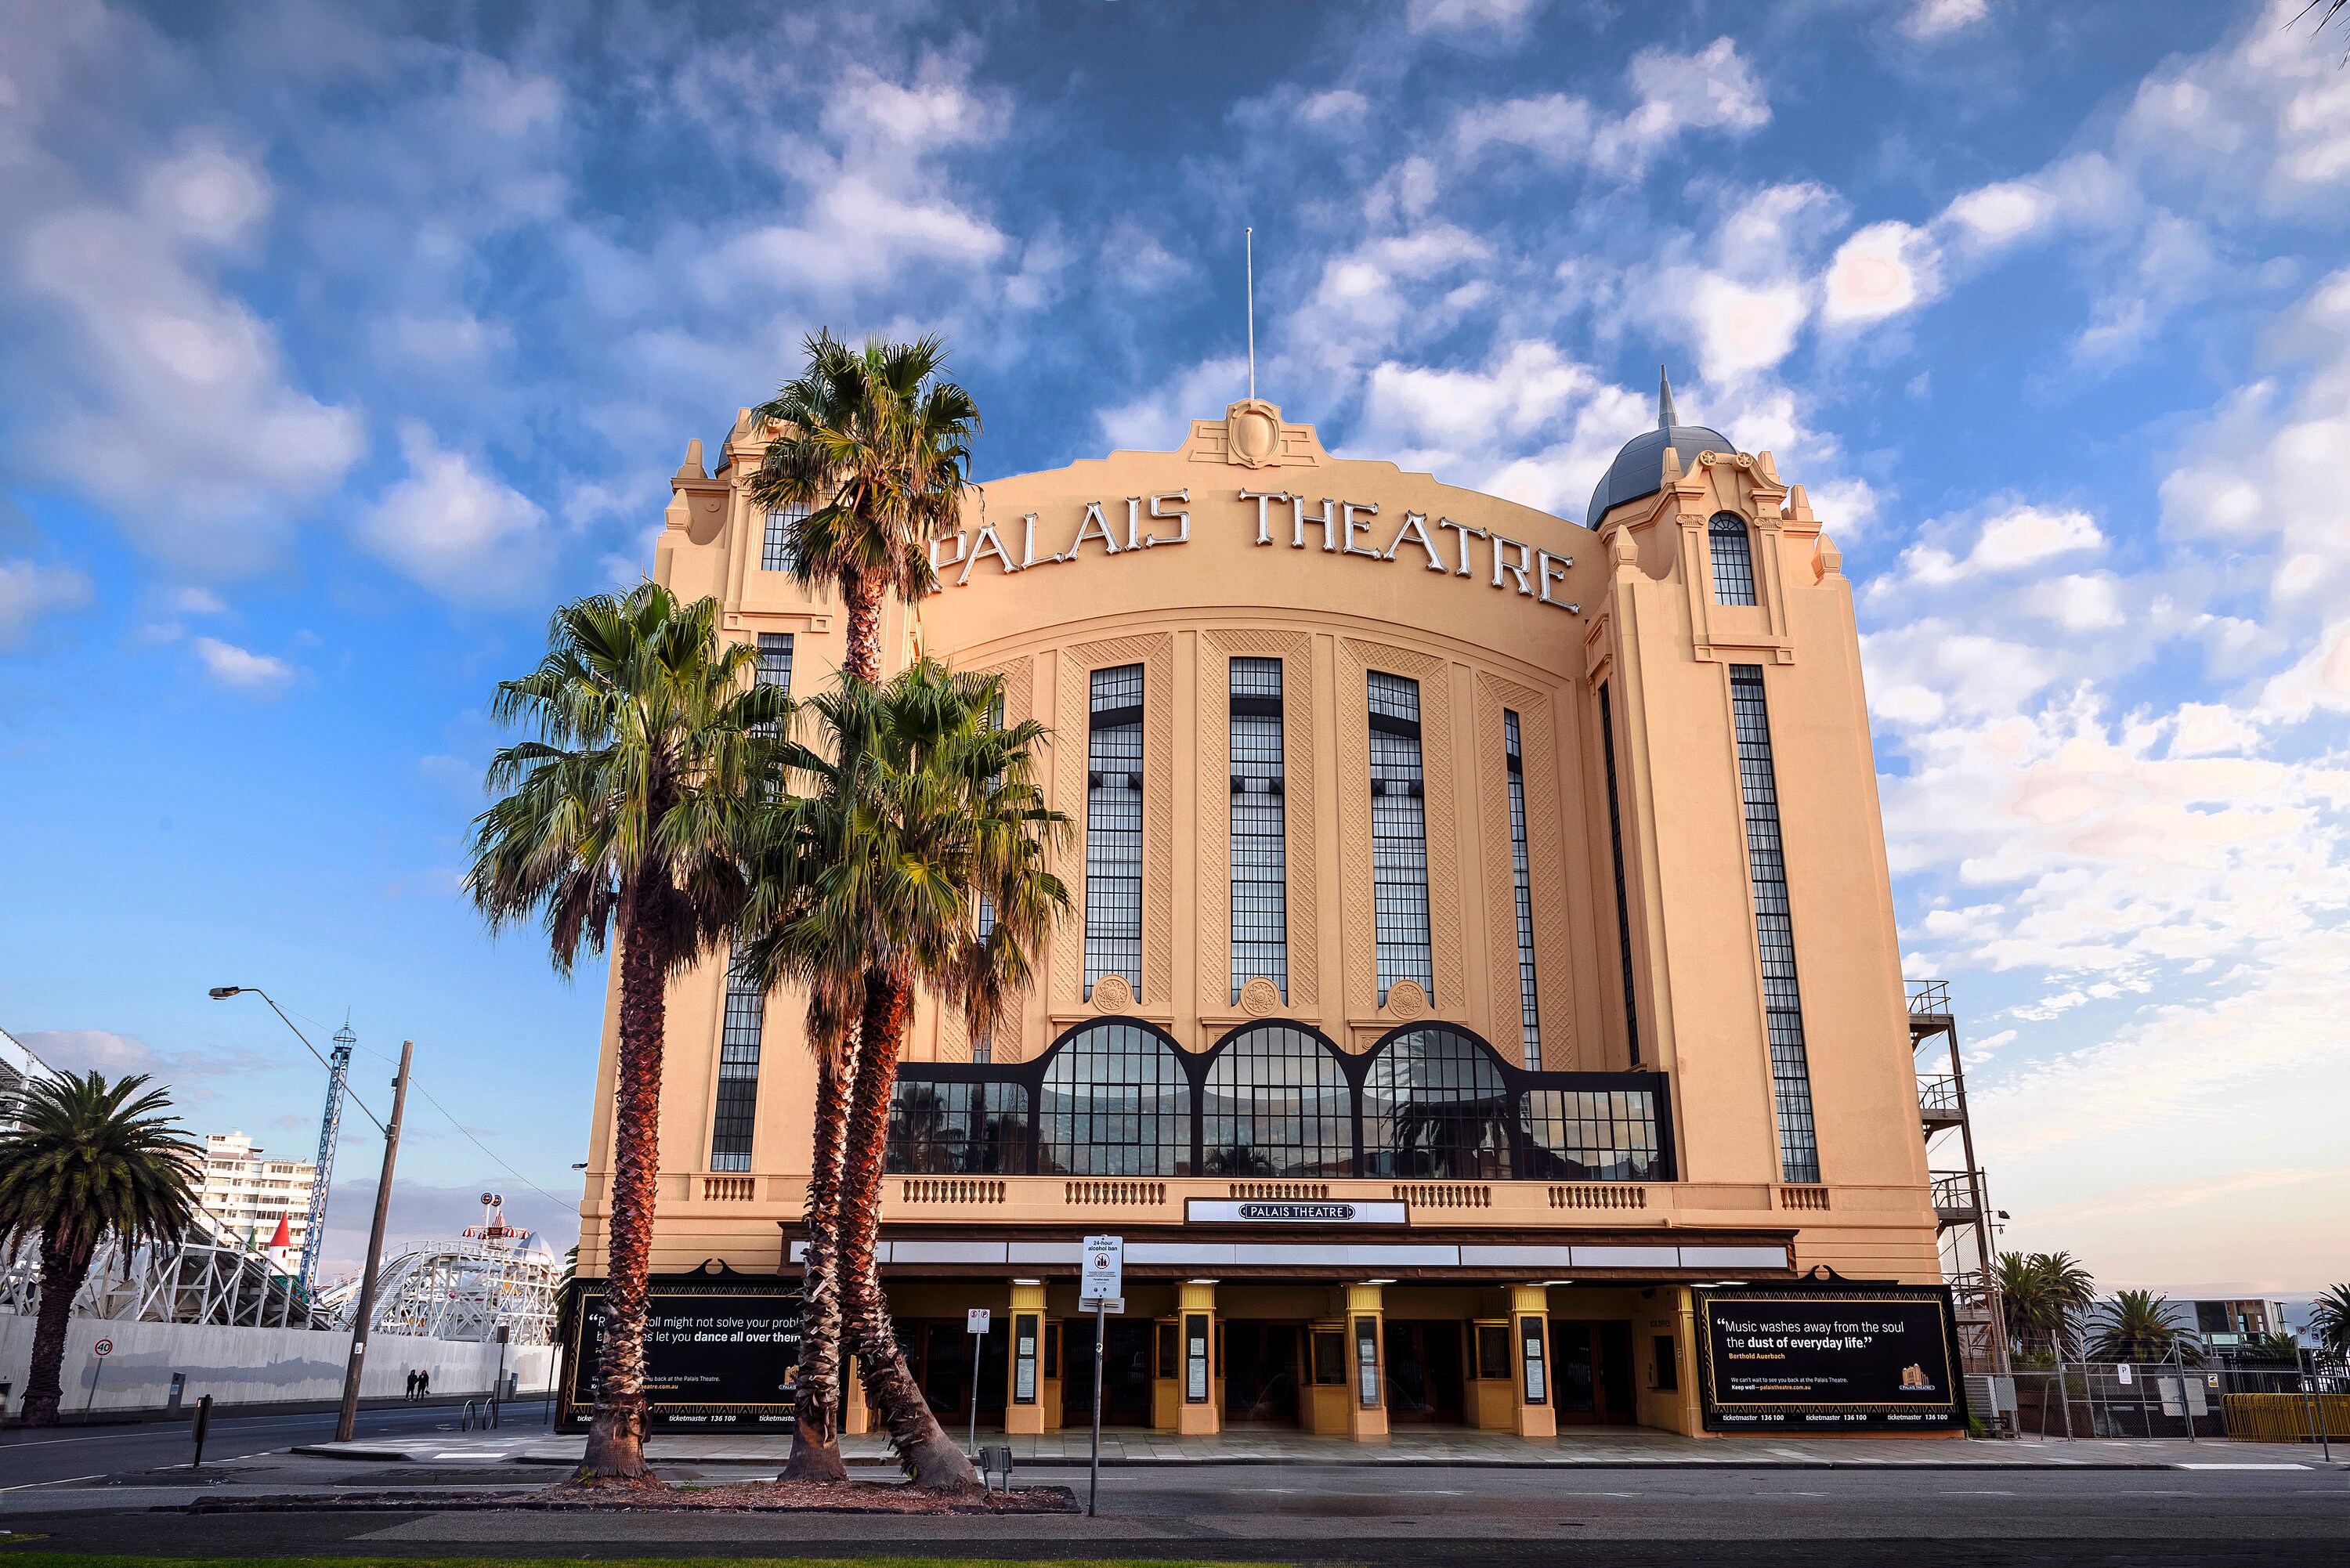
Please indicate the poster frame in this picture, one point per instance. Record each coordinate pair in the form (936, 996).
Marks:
(574, 1400)
(1855, 1417)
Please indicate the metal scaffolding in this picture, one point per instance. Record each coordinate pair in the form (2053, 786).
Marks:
(1961, 1203)
(339, 1071)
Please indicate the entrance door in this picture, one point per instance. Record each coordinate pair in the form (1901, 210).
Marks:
(1424, 1371)
(1126, 1373)
(1591, 1367)
(938, 1353)
(1261, 1366)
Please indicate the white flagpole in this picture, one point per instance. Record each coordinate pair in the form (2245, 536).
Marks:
(1248, 238)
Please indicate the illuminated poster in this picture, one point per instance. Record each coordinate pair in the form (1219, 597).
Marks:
(720, 1352)
(1829, 1358)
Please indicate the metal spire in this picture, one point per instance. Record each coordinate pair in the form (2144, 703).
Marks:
(339, 1070)
(1665, 418)
(1248, 239)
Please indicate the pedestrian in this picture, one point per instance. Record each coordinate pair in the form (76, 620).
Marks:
(424, 1382)
(411, 1385)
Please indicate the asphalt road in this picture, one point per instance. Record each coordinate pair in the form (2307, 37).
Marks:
(1421, 1518)
(45, 1457)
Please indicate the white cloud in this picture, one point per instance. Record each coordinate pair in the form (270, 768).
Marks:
(1736, 328)
(205, 195)
(242, 668)
(1711, 89)
(1337, 106)
(460, 532)
(1883, 270)
(2020, 536)
(29, 590)
(1931, 19)
(1556, 127)
(1161, 419)
(2003, 212)
(1503, 16)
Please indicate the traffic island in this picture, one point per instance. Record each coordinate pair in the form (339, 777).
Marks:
(657, 1497)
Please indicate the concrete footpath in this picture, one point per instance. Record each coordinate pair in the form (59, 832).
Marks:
(1593, 1449)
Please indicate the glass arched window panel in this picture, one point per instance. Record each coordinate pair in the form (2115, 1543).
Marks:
(1278, 1103)
(958, 1129)
(1434, 1106)
(1733, 559)
(1117, 1103)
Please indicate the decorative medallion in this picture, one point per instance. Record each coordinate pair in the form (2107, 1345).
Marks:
(1112, 994)
(1406, 1000)
(1259, 998)
(1253, 433)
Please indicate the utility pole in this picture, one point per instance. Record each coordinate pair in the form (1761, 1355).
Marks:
(349, 1423)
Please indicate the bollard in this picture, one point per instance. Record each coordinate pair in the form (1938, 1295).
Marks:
(203, 1425)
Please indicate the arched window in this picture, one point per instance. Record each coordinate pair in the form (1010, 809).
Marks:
(1733, 560)
(1117, 1103)
(1434, 1106)
(958, 1128)
(1277, 1105)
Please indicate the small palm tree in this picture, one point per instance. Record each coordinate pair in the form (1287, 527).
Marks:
(2276, 1347)
(89, 1160)
(869, 886)
(2136, 1325)
(2329, 1319)
(618, 820)
(874, 452)
(2043, 1293)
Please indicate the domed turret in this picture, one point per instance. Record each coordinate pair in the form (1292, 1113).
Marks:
(1640, 469)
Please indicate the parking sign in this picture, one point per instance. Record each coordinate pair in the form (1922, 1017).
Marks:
(977, 1318)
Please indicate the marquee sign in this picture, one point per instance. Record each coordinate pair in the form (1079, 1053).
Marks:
(1340, 527)
(1252, 1211)
(1843, 1357)
(720, 1352)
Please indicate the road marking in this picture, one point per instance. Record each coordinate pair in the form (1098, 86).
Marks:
(2193, 1467)
(62, 1481)
(1977, 1494)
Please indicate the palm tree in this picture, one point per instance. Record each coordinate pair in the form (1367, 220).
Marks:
(89, 1160)
(618, 824)
(2329, 1319)
(872, 461)
(875, 452)
(870, 885)
(2136, 1325)
(2041, 1294)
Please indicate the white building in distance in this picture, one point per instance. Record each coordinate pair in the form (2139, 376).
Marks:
(247, 1193)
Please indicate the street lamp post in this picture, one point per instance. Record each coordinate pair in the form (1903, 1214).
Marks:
(354, 1364)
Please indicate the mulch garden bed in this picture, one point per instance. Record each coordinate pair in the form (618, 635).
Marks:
(747, 1496)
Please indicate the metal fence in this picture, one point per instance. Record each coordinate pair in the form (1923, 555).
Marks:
(2166, 1399)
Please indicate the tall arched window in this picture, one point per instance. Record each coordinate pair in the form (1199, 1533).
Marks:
(1733, 560)
(1277, 1105)
(1117, 1103)
(1434, 1106)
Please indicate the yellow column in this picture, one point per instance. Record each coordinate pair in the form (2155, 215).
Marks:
(1367, 1396)
(1023, 1395)
(1196, 1414)
(1529, 1348)
(856, 1417)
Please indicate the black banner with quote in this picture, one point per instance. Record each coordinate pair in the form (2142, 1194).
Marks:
(1829, 1358)
(720, 1351)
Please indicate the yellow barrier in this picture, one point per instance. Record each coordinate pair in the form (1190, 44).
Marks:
(2285, 1417)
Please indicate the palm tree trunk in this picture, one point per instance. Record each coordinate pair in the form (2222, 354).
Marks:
(815, 1440)
(863, 658)
(933, 1461)
(616, 1435)
(63, 1269)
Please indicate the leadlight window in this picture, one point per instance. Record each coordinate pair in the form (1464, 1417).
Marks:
(1733, 559)
(736, 1112)
(1593, 1135)
(1277, 1103)
(775, 659)
(1529, 1003)
(958, 1129)
(1116, 1103)
(1260, 847)
(776, 553)
(1434, 1106)
(983, 1043)
(1775, 931)
(1399, 836)
(1114, 828)
(1623, 904)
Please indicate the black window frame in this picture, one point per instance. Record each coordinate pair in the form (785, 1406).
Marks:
(1730, 543)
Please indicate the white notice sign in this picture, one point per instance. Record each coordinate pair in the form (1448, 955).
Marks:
(977, 1318)
(1103, 1274)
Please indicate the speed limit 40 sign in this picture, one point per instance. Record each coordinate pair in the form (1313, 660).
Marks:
(103, 1348)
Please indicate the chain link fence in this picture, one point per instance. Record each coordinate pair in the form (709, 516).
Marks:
(2166, 1399)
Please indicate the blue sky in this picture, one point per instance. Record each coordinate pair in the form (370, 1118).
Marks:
(342, 341)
